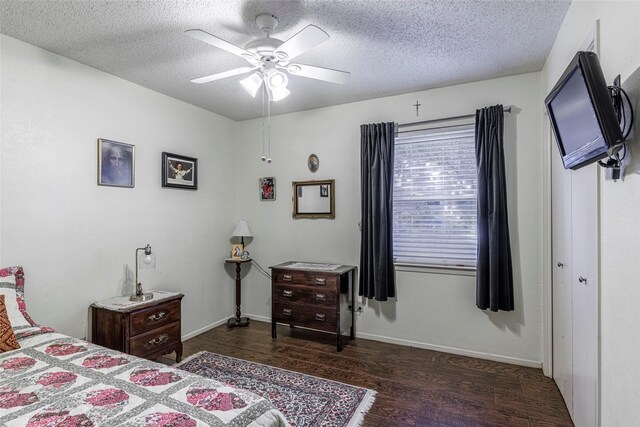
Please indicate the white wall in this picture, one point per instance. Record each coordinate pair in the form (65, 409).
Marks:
(76, 239)
(619, 208)
(432, 310)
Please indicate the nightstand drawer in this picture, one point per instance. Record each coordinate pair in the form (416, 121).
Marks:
(155, 317)
(305, 294)
(156, 340)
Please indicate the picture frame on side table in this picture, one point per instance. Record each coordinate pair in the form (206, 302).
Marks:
(267, 188)
(116, 164)
(236, 251)
(179, 171)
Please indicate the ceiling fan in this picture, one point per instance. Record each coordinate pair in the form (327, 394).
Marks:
(270, 59)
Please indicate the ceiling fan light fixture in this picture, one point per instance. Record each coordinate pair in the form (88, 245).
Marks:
(271, 58)
(278, 93)
(277, 79)
(252, 84)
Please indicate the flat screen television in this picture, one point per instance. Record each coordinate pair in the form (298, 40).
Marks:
(582, 114)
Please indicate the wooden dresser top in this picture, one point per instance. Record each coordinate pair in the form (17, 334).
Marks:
(124, 305)
(309, 267)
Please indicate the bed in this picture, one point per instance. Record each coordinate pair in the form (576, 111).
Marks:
(57, 380)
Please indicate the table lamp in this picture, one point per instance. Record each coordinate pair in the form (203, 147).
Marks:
(148, 261)
(242, 231)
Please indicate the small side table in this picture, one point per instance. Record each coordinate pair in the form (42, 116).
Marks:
(237, 321)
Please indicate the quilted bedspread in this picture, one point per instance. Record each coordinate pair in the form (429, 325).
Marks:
(63, 381)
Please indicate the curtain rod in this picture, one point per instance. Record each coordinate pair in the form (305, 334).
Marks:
(444, 119)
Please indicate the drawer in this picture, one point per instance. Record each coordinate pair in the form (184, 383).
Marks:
(305, 278)
(314, 295)
(154, 317)
(311, 316)
(165, 337)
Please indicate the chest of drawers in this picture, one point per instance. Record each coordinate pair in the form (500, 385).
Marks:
(146, 330)
(319, 299)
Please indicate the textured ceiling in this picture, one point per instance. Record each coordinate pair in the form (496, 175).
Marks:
(390, 47)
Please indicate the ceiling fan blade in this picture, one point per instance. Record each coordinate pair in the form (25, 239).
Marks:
(219, 43)
(318, 73)
(218, 76)
(310, 37)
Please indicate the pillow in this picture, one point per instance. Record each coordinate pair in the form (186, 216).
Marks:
(8, 339)
(12, 287)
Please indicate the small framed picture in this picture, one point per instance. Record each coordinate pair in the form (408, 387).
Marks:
(324, 190)
(313, 163)
(179, 171)
(236, 251)
(267, 187)
(116, 162)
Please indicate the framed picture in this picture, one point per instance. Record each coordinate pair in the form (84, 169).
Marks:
(116, 162)
(313, 163)
(324, 190)
(236, 251)
(267, 187)
(179, 171)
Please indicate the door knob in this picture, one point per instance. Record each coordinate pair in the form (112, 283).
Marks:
(582, 280)
(561, 265)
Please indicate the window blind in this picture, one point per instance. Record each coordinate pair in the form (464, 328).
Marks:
(434, 197)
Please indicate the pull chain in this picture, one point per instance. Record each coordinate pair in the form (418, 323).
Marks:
(269, 131)
(264, 157)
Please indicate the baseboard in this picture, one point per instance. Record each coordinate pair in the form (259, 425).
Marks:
(203, 329)
(259, 318)
(443, 349)
(452, 350)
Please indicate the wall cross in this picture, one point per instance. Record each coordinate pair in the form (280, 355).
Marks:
(417, 105)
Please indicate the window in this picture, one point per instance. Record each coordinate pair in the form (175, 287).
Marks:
(434, 197)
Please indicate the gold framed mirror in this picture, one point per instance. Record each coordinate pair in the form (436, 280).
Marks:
(314, 199)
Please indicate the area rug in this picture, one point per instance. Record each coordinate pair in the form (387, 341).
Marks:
(304, 400)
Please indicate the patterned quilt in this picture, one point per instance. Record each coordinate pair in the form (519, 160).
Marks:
(63, 381)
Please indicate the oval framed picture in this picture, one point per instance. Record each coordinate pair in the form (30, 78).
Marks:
(313, 162)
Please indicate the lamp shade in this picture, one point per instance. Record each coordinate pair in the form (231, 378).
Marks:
(252, 83)
(278, 93)
(147, 260)
(242, 230)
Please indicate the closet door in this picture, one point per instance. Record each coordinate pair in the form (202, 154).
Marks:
(562, 289)
(575, 289)
(584, 281)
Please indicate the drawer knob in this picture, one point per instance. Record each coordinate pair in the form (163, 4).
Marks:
(287, 293)
(287, 277)
(159, 340)
(320, 317)
(286, 311)
(321, 280)
(320, 297)
(156, 317)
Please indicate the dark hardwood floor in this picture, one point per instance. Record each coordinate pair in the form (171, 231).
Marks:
(416, 387)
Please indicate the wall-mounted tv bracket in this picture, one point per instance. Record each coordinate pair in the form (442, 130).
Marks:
(618, 98)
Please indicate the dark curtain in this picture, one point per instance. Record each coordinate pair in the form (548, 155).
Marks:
(494, 275)
(377, 278)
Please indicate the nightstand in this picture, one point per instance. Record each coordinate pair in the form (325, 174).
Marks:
(146, 329)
